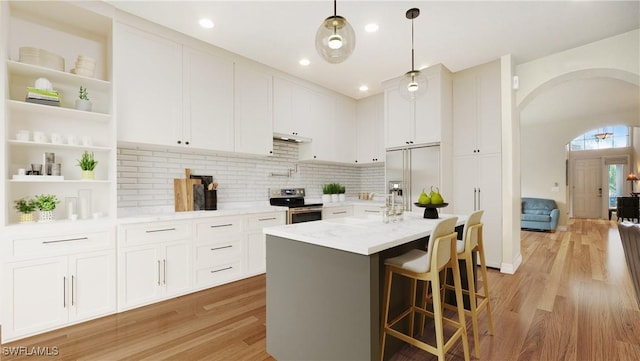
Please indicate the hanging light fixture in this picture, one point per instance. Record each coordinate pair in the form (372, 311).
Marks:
(335, 38)
(414, 83)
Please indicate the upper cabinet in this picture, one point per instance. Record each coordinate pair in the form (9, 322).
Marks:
(191, 96)
(410, 123)
(291, 104)
(253, 110)
(45, 41)
(476, 110)
(148, 69)
(370, 129)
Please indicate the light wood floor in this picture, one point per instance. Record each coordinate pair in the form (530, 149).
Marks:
(571, 299)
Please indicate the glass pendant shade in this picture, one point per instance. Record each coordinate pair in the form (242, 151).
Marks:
(335, 39)
(412, 85)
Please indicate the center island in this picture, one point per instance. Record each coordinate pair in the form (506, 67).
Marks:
(325, 281)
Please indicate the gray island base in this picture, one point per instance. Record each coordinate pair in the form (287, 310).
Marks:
(324, 303)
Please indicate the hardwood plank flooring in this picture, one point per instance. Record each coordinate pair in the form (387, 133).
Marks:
(571, 299)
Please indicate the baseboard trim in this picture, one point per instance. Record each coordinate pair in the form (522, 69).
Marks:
(511, 268)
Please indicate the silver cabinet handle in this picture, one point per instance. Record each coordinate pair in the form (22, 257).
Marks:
(221, 225)
(475, 199)
(66, 240)
(222, 269)
(159, 282)
(223, 247)
(267, 219)
(479, 205)
(160, 230)
(64, 292)
(73, 290)
(341, 212)
(164, 272)
(370, 211)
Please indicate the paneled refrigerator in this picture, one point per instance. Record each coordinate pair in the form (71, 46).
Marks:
(410, 170)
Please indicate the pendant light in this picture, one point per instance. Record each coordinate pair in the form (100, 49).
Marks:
(335, 38)
(414, 83)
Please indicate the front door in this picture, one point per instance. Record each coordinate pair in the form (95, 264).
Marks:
(587, 188)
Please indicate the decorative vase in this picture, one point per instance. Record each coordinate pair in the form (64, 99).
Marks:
(46, 216)
(26, 217)
(82, 104)
(326, 198)
(88, 174)
(334, 198)
(341, 197)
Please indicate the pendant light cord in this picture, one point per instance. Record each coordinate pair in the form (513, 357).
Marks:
(412, 54)
(335, 8)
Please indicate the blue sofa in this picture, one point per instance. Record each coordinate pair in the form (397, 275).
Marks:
(540, 214)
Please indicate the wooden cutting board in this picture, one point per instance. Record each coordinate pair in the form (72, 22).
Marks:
(183, 192)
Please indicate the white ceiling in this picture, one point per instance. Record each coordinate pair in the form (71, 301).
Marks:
(458, 34)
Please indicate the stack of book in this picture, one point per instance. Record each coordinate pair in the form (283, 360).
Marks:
(43, 96)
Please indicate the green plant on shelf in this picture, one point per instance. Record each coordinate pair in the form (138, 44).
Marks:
(82, 94)
(26, 206)
(87, 161)
(46, 202)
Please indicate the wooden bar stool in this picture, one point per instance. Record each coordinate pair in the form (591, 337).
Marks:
(426, 266)
(472, 242)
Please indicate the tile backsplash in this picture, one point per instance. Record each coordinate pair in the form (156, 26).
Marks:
(145, 175)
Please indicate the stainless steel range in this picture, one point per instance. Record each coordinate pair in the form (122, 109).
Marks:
(299, 211)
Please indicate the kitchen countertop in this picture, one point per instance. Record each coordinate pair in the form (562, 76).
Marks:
(363, 235)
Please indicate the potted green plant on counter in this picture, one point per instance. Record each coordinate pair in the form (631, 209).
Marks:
(87, 163)
(326, 193)
(46, 203)
(341, 193)
(26, 207)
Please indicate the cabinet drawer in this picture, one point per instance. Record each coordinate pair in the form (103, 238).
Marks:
(62, 244)
(156, 232)
(211, 229)
(210, 276)
(259, 221)
(336, 212)
(212, 254)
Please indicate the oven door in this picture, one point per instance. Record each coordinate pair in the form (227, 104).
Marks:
(299, 215)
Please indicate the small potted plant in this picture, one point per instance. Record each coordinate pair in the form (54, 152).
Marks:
(341, 193)
(26, 207)
(46, 203)
(87, 163)
(326, 193)
(334, 191)
(83, 102)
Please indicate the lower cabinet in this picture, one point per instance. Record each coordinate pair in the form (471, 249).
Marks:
(337, 212)
(256, 240)
(44, 293)
(367, 210)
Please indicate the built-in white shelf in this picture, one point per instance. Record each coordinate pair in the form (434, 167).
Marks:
(49, 110)
(23, 143)
(55, 76)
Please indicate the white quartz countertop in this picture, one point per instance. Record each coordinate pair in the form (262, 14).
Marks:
(361, 235)
(152, 214)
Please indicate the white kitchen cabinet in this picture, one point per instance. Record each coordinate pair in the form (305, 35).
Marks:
(476, 110)
(344, 144)
(367, 210)
(291, 103)
(321, 119)
(219, 251)
(253, 104)
(370, 129)
(154, 262)
(256, 240)
(208, 100)
(337, 212)
(410, 123)
(148, 69)
(52, 26)
(55, 280)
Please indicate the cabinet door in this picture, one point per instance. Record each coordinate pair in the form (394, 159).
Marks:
(257, 253)
(344, 132)
(176, 268)
(148, 72)
(465, 185)
(208, 101)
(398, 120)
(370, 129)
(489, 102)
(321, 119)
(139, 275)
(93, 286)
(490, 200)
(464, 114)
(253, 115)
(428, 115)
(35, 298)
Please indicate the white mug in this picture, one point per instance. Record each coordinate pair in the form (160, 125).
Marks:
(39, 137)
(22, 171)
(86, 141)
(72, 139)
(56, 138)
(23, 135)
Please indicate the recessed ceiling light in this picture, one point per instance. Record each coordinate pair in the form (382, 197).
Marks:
(371, 28)
(364, 88)
(206, 23)
(304, 62)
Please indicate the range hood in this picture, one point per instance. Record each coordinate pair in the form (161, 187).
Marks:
(291, 138)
